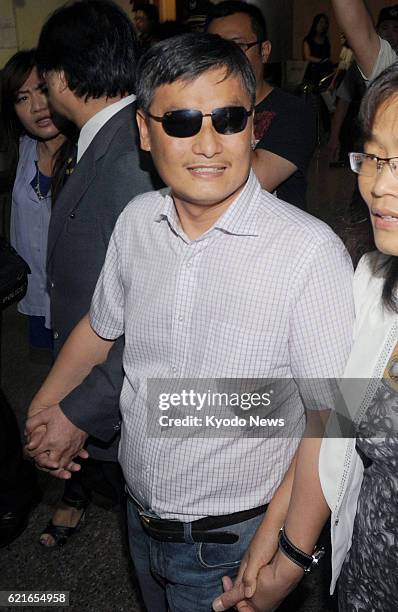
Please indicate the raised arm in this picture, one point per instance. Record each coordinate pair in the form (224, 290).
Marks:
(357, 25)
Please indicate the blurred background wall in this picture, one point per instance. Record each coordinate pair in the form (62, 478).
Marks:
(29, 16)
(288, 21)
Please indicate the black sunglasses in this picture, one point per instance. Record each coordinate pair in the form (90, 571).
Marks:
(246, 46)
(186, 122)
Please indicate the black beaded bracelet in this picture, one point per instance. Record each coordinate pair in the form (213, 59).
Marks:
(307, 562)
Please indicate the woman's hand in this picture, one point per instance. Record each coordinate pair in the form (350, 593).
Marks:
(261, 551)
(274, 582)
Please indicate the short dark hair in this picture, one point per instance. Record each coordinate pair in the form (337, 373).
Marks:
(150, 10)
(13, 76)
(187, 57)
(94, 43)
(384, 88)
(231, 7)
(388, 13)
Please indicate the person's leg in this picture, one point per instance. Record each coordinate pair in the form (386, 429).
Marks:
(185, 576)
(152, 590)
(19, 490)
(18, 482)
(193, 572)
(105, 478)
(69, 513)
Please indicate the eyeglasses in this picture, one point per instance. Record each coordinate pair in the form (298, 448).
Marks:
(246, 46)
(186, 122)
(371, 165)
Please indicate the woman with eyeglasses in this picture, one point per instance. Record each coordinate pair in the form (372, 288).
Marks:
(34, 142)
(359, 476)
(352, 474)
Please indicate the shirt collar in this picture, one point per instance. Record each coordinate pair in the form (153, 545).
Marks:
(93, 125)
(240, 218)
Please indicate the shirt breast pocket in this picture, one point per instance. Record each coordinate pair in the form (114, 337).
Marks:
(233, 351)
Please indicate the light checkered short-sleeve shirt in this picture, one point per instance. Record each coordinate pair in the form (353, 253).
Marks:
(266, 292)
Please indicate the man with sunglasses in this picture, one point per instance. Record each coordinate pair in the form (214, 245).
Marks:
(284, 125)
(214, 280)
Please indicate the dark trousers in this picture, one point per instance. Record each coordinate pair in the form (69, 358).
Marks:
(18, 484)
(103, 477)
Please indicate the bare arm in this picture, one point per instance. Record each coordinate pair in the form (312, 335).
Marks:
(308, 510)
(265, 541)
(272, 581)
(357, 25)
(271, 169)
(81, 352)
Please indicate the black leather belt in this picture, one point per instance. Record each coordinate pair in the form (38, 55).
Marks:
(165, 530)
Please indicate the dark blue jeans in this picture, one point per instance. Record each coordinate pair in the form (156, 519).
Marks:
(184, 577)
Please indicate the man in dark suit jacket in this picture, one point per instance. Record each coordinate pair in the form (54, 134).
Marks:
(87, 52)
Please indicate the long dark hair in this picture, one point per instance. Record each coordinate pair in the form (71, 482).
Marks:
(384, 88)
(13, 76)
(312, 31)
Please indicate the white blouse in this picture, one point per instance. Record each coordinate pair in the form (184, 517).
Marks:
(340, 467)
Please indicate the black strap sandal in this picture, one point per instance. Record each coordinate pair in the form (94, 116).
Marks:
(60, 533)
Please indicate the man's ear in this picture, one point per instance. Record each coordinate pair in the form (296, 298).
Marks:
(62, 81)
(142, 123)
(266, 48)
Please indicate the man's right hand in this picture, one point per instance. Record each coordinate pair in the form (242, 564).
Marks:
(53, 440)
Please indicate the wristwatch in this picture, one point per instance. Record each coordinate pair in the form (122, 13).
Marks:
(307, 562)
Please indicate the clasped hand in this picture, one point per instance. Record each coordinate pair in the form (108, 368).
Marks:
(266, 576)
(53, 441)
